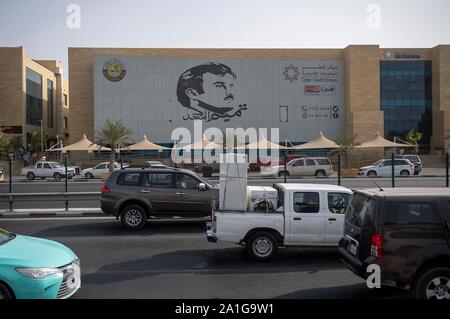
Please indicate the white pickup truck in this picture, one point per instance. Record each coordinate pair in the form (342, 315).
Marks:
(45, 169)
(307, 215)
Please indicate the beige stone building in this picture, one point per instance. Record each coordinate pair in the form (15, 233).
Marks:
(386, 90)
(32, 91)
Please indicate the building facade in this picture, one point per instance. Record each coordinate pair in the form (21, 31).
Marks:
(358, 90)
(31, 96)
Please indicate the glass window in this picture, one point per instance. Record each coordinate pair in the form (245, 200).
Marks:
(310, 162)
(411, 213)
(306, 202)
(50, 106)
(406, 85)
(66, 99)
(361, 211)
(299, 163)
(337, 202)
(33, 97)
(160, 180)
(39, 165)
(66, 122)
(47, 166)
(101, 166)
(186, 181)
(323, 161)
(387, 163)
(129, 179)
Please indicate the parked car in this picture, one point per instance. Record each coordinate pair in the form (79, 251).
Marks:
(97, 171)
(134, 195)
(1, 171)
(45, 169)
(310, 166)
(207, 169)
(307, 215)
(405, 231)
(383, 168)
(415, 159)
(35, 268)
(154, 164)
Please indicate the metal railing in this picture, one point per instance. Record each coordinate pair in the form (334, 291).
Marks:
(66, 197)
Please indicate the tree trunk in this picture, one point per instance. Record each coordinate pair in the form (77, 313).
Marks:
(112, 159)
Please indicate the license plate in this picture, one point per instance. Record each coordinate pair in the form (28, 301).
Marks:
(352, 249)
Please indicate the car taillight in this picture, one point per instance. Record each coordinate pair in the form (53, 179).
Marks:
(376, 247)
(105, 189)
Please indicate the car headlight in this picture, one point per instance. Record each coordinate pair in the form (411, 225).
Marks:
(38, 273)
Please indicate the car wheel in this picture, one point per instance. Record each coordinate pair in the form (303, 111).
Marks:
(416, 173)
(133, 217)
(261, 246)
(57, 176)
(4, 292)
(30, 176)
(372, 174)
(320, 173)
(89, 176)
(404, 173)
(433, 284)
(283, 173)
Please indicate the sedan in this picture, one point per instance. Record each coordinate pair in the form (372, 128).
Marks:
(35, 268)
(97, 171)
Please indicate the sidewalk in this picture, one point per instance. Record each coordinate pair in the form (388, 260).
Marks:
(52, 212)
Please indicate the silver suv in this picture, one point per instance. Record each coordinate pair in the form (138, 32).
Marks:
(135, 195)
(309, 166)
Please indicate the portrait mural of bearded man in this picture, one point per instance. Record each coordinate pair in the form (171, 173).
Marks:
(207, 91)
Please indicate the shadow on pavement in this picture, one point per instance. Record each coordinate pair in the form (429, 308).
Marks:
(114, 228)
(355, 291)
(215, 262)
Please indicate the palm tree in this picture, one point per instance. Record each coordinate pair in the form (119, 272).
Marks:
(414, 139)
(113, 134)
(346, 143)
(36, 141)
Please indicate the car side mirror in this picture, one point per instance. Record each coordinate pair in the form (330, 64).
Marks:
(202, 187)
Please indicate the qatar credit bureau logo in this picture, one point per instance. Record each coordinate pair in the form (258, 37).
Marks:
(114, 70)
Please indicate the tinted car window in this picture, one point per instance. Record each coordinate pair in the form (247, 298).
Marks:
(361, 211)
(323, 161)
(39, 165)
(101, 166)
(186, 181)
(400, 162)
(411, 213)
(413, 159)
(337, 202)
(161, 180)
(299, 163)
(310, 162)
(306, 202)
(129, 179)
(47, 166)
(387, 163)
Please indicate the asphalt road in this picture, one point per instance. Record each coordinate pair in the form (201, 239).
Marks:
(82, 185)
(174, 260)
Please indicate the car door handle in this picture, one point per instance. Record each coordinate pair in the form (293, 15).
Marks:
(332, 219)
(297, 218)
(145, 191)
(179, 193)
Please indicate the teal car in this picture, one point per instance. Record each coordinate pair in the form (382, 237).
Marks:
(35, 268)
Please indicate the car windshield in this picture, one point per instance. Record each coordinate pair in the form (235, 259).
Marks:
(413, 159)
(377, 163)
(5, 236)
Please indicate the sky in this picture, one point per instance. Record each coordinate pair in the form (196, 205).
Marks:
(46, 28)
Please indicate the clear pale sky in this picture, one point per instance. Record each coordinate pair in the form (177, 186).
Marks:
(41, 25)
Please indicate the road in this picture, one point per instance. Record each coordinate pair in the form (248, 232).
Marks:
(174, 260)
(82, 185)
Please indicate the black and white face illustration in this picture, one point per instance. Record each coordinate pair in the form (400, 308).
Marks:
(208, 92)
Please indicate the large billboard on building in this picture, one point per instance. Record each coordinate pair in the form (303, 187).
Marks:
(154, 95)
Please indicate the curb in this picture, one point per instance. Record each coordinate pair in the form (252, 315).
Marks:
(34, 214)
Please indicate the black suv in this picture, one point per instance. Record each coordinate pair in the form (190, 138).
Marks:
(405, 231)
(135, 195)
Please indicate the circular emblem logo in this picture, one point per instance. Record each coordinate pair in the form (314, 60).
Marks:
(114, 70)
